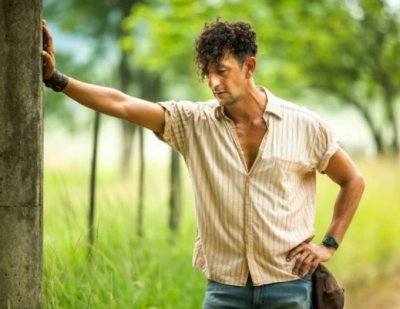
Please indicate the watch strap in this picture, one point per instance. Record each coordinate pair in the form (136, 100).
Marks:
(330, 242)
(57, 81)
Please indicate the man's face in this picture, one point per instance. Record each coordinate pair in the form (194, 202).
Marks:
(227, 80)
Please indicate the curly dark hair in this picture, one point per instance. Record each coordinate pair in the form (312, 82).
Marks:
(219, 37)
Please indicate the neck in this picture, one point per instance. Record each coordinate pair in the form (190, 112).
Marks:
(249, 108)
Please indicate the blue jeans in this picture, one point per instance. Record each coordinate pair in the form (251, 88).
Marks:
(295, 294)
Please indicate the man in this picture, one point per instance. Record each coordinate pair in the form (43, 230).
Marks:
(252, 158)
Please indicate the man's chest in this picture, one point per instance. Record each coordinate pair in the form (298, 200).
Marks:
(250, 137)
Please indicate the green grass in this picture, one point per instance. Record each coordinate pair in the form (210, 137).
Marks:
(371, 248)
(155, 271)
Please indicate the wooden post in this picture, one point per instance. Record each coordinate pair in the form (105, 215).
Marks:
(21, 154)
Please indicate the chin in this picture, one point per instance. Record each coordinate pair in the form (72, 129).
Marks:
(227, 102)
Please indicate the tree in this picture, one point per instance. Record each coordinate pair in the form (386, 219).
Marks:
(93, 173)
(21, 154)
(110, 36)
(350, 50)
(175, 196)
(345, 49)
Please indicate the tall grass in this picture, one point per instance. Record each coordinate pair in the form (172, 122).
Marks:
(155, 271)
(371, 248)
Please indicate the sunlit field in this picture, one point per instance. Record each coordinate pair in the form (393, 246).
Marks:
(155, 271)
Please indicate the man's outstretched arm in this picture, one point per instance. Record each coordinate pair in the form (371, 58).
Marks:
(103, 99)
(344, 173)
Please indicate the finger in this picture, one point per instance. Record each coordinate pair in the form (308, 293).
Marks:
(47, 40)
(48, 65)
(294, 252)
(314, 266)
(299, 262)
(306, 266)
(45, 56)
(49, 59)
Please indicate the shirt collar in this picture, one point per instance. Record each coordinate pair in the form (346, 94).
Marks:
(273, 106)
(219, 112)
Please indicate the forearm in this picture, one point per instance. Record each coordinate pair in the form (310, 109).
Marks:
(345, 206)
(115, 103)
(102, 99)
(310, 255)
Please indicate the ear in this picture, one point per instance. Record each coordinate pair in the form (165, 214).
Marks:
(250, 66)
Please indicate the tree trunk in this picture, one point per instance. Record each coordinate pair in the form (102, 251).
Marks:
(390, 110)
(141, 184)
(93, 172)
(128, 129)
(375, 132)
(175, 204)
(21, 154)
(125, 79)
(128, 136)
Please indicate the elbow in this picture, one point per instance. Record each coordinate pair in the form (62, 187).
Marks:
(358, 178)
(355, 183)
(360, 183)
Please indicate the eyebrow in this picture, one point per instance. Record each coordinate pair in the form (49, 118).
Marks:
(221, 65)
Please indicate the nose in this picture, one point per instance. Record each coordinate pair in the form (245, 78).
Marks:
(213, 81)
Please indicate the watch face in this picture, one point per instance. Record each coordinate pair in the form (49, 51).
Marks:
(330, 242)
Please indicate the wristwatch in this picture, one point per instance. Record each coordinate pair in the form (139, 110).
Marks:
(57, 81)
(330, 242)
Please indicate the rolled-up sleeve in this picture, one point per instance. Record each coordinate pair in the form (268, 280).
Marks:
(178, 119)
(324, 146)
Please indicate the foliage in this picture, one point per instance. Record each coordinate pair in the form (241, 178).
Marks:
(349, 50)
(165, 32)
(86, 40)
(342, 49)
(156, 272)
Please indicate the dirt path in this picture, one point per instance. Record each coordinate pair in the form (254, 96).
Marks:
(385, 294)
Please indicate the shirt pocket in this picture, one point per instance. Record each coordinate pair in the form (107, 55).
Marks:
(282, 178)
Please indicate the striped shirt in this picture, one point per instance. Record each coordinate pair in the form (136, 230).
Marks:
(248, 220)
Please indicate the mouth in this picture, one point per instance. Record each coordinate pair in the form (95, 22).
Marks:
(218, 93)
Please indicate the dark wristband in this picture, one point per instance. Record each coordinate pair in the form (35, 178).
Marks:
(330, 242)
(57, 81)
